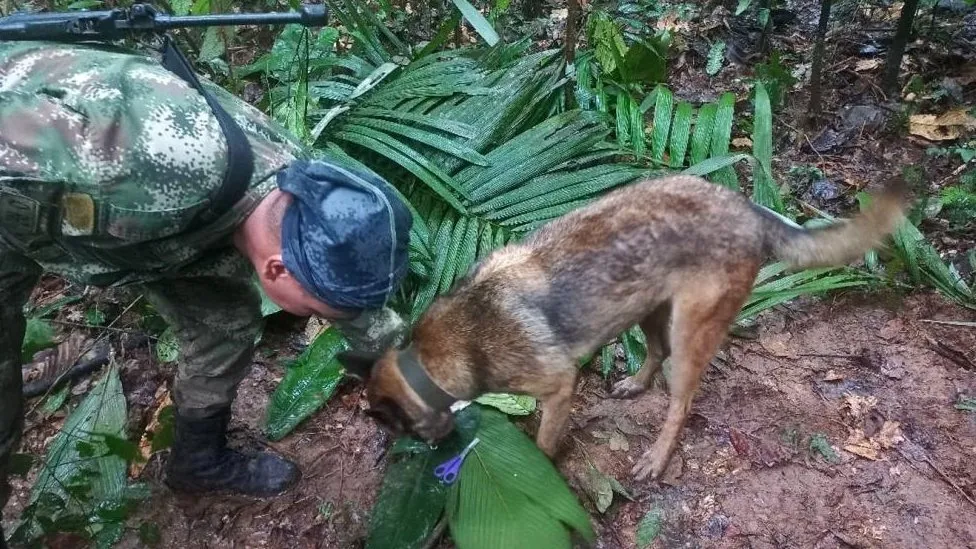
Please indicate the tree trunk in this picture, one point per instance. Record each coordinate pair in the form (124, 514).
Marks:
(816, 68)
(897, 49)
(569, 44)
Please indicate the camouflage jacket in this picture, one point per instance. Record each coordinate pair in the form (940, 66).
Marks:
(105, 156)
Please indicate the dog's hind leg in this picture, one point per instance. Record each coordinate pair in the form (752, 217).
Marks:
(702, 315)
(556, 405)
(655, 328)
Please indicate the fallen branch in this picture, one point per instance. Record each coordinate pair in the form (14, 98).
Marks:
(436, 534)
(949, 480)
(80, 369)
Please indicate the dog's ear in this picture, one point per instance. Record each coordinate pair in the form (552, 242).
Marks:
(358, 364)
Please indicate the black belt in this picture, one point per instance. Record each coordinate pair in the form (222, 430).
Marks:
(240, 157)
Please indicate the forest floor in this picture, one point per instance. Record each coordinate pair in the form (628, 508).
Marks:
(829, 423)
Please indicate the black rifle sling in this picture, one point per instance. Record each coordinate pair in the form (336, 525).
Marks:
(240, 157)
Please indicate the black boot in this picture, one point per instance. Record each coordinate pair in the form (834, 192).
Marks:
(200, 461)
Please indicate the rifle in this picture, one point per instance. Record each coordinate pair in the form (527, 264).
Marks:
(115, 24)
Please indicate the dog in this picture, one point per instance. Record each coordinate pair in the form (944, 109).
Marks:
(677, 256)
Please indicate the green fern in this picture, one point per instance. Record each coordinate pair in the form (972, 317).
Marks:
(716, 56)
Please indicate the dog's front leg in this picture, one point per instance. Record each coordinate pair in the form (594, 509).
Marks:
(555, 413)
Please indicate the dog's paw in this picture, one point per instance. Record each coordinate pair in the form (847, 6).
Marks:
(651, 464)
(627, 388)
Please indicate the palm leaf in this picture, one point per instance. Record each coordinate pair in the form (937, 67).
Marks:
(680, 134)
(721, 136)
(702, 138)
(764, 190)
(662, 123)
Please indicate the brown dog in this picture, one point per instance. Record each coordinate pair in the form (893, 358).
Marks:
(676, 255)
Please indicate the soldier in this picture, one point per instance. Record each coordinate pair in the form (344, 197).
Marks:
(107, 162)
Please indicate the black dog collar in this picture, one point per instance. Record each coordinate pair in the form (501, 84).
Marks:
(418, 380)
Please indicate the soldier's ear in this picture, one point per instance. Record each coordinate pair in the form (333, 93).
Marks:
(358, 365)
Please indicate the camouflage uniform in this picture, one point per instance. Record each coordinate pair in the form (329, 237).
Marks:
(105, 156)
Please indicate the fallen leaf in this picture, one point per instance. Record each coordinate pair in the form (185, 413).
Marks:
(145, 443)
(740, 442)
(870, 447)
(628, 427)
(867, 65)
(833, 376)
(604, 435)
(742, 142)
(599, 488)
(943, 127)
(618, 442)
(858, 406)
(619, 488)
(649, 528)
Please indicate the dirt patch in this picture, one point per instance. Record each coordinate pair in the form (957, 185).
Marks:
(746, 473)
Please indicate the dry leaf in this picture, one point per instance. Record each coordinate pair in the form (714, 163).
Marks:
(619, 442)
(831, 375)
(742, 142)
(943, 127)
(871, 447)
(145, 444)
(858, 406)
(867, 65)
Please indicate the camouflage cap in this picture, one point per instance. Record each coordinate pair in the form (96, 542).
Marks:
(345, 235)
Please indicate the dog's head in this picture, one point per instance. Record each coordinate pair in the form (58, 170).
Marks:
(392, 403)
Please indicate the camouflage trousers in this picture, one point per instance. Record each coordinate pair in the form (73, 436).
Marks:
(216, 320)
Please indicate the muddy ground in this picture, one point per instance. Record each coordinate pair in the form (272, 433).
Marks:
(746, 474)
(831, 424)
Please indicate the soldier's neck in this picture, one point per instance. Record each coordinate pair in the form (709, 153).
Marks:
(256, 238)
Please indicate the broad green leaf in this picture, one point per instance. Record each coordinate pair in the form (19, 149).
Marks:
(716, 56)
(509, 494)
(78, 452)
(213, 45)
(55, 401)
(702, 138)
(168, 346)
(742, 6)
(477, 21)
(513, 405)
(680, 134)
(38, 335)
(422, 136)
(721, 137)
(607, 359)
(608, 42)
(764, 191)
(648, 528)
(410, 501)
(646, 62)
(635, 348)
(412, 498)
(268, 307)
(181, 7)
(662, 123)
(598, 488)
(714, 164)
(307, 385)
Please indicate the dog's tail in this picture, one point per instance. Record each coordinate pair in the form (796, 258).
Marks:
(842, 241)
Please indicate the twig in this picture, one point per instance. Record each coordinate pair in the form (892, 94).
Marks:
(436, 534)
(106, 328)
(962, 323)
(87, 348)
(342, 477)
(961, 168)
(949, 480)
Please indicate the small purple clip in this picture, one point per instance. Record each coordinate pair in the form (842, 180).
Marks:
(447, 472)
